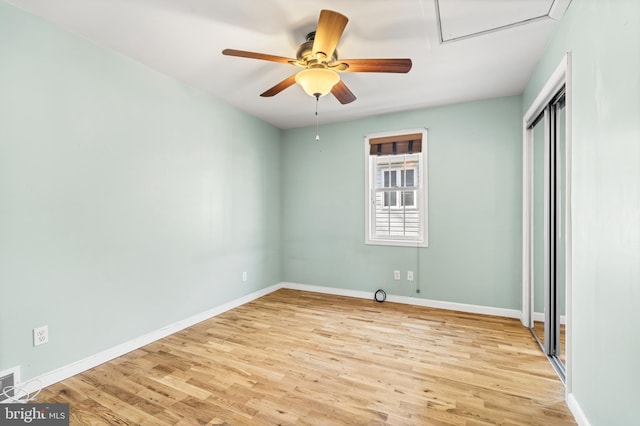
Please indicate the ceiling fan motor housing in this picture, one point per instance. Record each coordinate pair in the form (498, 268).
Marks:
(305, 53)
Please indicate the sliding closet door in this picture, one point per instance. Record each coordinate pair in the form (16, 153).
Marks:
(539, 181)
(548, 236)
(546, 271)
(558, 114)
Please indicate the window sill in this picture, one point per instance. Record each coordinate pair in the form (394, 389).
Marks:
(397, 243)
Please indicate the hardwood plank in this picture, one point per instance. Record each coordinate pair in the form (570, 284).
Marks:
(301, 358)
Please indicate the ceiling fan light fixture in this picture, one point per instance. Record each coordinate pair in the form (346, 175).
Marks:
(317, 82)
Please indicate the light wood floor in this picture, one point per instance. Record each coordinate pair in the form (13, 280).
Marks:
(538, 329)
(299, 358)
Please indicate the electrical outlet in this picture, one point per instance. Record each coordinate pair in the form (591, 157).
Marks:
(40, 335)
(244, 276)
(409, 275)
(396, 275)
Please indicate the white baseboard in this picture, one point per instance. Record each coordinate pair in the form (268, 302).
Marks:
(77, 367)
(452, 306)
(328, 290)
(539, 316)
(576, 410)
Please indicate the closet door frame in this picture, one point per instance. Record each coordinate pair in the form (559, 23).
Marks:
(560, 78)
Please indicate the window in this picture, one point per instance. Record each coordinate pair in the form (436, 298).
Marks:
(396, 176)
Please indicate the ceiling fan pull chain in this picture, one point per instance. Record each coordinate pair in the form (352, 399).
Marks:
(317, 124)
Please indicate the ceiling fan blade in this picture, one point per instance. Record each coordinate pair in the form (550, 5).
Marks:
(342, 93)
(287, 82)
(254, 55)
(330, 27)
(378, 65)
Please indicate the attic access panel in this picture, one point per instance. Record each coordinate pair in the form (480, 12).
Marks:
(462, 19)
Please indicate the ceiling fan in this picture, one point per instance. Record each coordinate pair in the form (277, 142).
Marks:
(318, 58)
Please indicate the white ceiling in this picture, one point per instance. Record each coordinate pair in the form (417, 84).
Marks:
(461, 49)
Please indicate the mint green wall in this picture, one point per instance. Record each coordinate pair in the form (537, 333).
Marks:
(474, 252)
(128, 201)
(604, 40)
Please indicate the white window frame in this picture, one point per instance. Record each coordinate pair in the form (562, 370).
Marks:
(421, 202)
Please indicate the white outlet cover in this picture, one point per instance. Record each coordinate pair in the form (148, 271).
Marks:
(40, 335)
